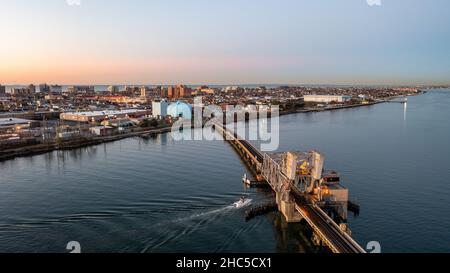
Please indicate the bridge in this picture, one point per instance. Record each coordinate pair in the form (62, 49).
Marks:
(298, 196)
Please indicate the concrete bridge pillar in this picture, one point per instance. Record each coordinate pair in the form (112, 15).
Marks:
(278, 199)
(290, 212)
(316, 239)
(287, 207)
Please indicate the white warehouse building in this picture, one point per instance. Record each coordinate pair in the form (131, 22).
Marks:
(326, 98)
(159, 108)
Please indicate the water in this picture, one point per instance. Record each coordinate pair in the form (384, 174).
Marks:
(134, 196)
(163, 196)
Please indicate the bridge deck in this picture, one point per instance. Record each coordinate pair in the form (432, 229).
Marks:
(323, 225)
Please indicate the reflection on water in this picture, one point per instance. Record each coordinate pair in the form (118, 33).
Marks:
(405, 111)
(293, 238)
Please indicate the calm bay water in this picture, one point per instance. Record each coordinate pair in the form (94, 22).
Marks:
(159, 195)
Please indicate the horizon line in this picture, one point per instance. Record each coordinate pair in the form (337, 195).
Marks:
(232, 84)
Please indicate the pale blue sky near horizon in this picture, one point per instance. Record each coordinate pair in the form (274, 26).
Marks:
(225, 42)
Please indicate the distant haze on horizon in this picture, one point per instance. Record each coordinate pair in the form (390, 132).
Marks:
(225, 42)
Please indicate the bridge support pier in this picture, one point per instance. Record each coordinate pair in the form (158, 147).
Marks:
(288, 209)
(317, 240)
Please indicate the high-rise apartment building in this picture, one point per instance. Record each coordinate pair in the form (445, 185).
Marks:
(2, 90)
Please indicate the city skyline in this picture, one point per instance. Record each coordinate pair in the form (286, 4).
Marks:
(224, 42)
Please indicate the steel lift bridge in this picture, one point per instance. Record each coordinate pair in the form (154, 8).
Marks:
(303, 190)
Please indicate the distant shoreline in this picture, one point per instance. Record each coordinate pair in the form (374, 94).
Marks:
(44, 148)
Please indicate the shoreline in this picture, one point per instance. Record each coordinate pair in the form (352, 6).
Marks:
(44, 148)
(318, 110)
(39, 149)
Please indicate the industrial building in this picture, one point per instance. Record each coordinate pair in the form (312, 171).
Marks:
(102, 130)
(16, 123)
(159, 108)
(326, 98)
(98, 116)
(180, 109)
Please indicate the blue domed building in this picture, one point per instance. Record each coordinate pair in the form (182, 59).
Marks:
(180, 109)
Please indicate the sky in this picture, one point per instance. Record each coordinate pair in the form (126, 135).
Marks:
(225, 41)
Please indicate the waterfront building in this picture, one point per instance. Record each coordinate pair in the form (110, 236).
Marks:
(98, 116)
(159, 108)
(69, 135)
(15, 123)
(326, 98)
(102, 130)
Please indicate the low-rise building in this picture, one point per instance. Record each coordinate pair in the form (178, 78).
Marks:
(326, 98)
(102, 130)
(15, 123)
(98, 116)
(123, 99)
(69, 135)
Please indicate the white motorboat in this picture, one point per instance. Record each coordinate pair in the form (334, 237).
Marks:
(246, 181)
(242, 203)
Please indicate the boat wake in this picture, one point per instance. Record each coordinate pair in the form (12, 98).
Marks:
(203, 214)
(183, 226)
(242, 203)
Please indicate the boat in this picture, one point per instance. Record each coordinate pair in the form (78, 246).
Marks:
(242, 203)
(246, 181)
(249, 183)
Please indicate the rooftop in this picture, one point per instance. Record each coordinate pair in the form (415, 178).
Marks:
(105, 112)
(13, 121)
